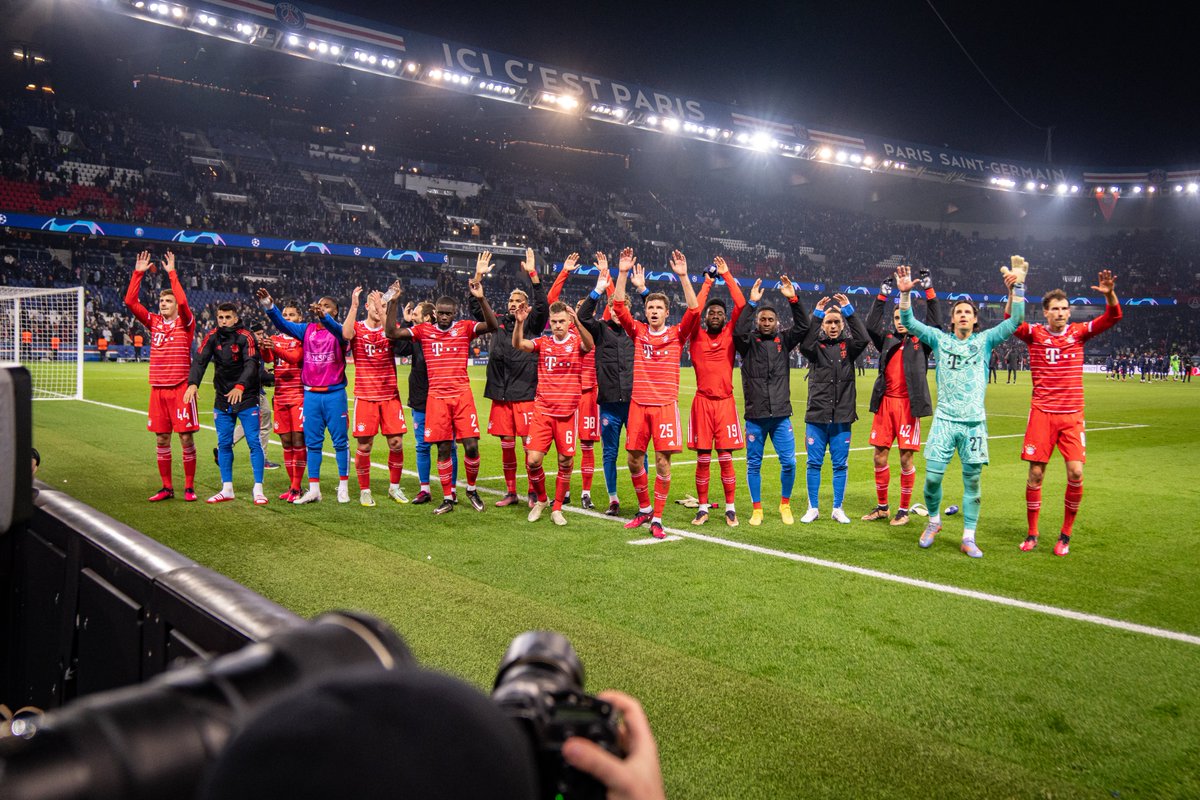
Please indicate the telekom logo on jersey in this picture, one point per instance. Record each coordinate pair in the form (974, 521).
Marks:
(1053, 354)
(441, 347)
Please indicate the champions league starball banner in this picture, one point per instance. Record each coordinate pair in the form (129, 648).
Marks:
(193, 236)
(999, 299)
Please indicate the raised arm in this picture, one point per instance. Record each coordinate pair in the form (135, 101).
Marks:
(490, 323)
(140, 265)
(800, 327)
(390, 327)
(859, 338)
(185, 311)
(679, 267)
(292, 329)
(904, 282)
(569, 265)
(875, 317)
(813, 331)
(539, 305)
(351, 314)
(743, 330)
(1112, 307)
(587, 311)
(933, 306)
(735, 291)
(518, 335)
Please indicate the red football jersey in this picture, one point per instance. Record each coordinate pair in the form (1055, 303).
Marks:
(712, 356)
(286, 353)
(374, 365)
(170, 341)
(1056, 361)
(560, 368)
(656, 356)
(446, 354)
(588, 377)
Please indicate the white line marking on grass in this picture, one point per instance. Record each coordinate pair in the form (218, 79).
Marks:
(655, 541)
(1054, 611)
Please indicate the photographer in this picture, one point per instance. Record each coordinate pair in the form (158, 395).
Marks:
(412, 733)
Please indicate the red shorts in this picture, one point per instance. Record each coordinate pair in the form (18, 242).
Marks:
(894, 421)
(449, 418)
(714, 424)
(1045, 431)
(510, 418)
(562, 431)
(288, 417)
(168, 412)
(378, 416)
(659, 424)
(589, 416)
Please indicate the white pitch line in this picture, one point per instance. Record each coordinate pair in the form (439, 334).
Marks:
(676, 534)
(655, 541)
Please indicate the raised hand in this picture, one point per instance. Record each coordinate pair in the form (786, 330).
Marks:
(529, 264)
(626, 260)
(924, 279)
(395, 290)
(143, 262)
(602, 280)
(408, 312)
(1020, 268)
(841, 300)
(638, 277)
(824, 301)
(785, 287)
(483, 263)
(169, 262)
(476, 287)
(756, 291)
(571, 262)
(355, 295)
(722, 267)
(1106, 282)
(1011, 280)
(264, 298)
(678, 263)
(522, 313)
(904, 280)
(375, 297)
(601, 261)
(315, 310)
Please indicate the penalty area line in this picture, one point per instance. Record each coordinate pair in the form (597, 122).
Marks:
(676, 534)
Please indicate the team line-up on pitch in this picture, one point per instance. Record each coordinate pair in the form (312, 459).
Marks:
(570, 376)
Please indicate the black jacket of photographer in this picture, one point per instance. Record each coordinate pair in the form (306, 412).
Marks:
(234, 355)
(831, 392)
(907, 347)
(766, 362)
(614, 353)
(512, 373)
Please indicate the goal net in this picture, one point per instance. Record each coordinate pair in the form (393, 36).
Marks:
(42, 329)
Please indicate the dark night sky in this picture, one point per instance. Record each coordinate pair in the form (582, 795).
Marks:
(1117, 84)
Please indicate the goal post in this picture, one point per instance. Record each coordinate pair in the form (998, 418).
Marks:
(42, 330)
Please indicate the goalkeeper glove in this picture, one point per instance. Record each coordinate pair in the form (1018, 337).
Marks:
(887, 286)
(924, 280)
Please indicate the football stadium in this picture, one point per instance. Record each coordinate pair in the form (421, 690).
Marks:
(318, 327)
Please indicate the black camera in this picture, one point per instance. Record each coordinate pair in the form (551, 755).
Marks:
(540, 685)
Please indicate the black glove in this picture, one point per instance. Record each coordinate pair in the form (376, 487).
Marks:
(888, 286)
(711, 271)
(924, 280)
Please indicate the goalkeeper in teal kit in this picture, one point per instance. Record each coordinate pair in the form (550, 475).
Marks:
(960, 420)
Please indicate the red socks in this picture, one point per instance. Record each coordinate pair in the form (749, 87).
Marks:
(662, 488)
(362, 467)
(1033, 506)
(907, 481)
(883, 476)
(472, 465)
(1071, 504)
(296, 459)
(703, 467)
(728, 477)
(537, 480)
(445, 475)
(395, 465)
(641, 485)
(508, 457)
(587, 466)
(562, 484)
(164, 464)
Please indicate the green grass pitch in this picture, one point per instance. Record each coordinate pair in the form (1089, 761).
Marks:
(765, 675)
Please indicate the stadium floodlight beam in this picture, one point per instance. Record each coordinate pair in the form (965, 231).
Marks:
(1074, 189)
(1193, 188)
(869, 161)
(841, 157)
(1114, 190)
(1151, 189)
(177, 12)
(1030, 186)
(826, 153)
(1061, 188)
(293, 39)
(1137, 189)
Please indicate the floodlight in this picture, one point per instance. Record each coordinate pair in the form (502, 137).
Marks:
(312, 45)
(1030, 186)
(711, 133)
(1061, 188)
(1178, 188)
(1151, 189)
(371, 59)
(1193, 188)
(1074, 190)
(671, 124)
(1137, 190)
(652, 120)
(619, 113)
(841, 157)
(1114, 189)
(825, 153)
(334, 50)
(568, 102)
(177, 12)
(855, 158)
(322, 48)
(293, 39)
(869, 161)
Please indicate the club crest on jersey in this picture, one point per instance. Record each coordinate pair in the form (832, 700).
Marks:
(811, 440)
(1030, 449)
(427, 433)
(750, 437)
